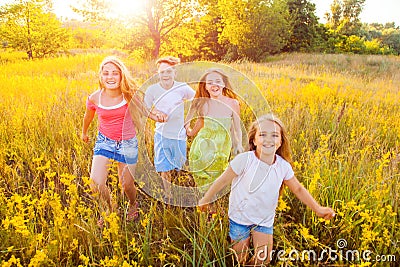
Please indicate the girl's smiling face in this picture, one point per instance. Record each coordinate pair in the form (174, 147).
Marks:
(111, 76)
(267, 138)
(214, 84)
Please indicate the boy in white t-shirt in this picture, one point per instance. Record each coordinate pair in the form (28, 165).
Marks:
(166, 99)
(256, 178)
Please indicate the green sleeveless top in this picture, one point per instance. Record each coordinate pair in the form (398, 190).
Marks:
(210, 150)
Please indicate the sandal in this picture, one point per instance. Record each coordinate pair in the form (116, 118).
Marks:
(133, 213)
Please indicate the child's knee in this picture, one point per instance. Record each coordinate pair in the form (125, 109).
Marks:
(96, 187)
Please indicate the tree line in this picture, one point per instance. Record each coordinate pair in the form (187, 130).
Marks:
(198, 29)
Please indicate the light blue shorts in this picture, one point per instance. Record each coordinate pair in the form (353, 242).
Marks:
(125, 151)
(169, 154)
(239, 232)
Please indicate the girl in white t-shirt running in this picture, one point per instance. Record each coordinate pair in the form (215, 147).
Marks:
(256, 178)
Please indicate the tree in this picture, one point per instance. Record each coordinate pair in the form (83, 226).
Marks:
(305, 33)
(391, 38)
(86, 35)
(344, 17)
(255, 28)
(92, 10)
(211, 26)
(198, 38)
(163, 16)
(160, 17)
(29, 26)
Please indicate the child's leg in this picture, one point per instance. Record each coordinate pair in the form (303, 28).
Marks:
(167, 179)
(240, 236)
(126, 178)
(262, 243)
(241, 249)
(98, 175)
(163, 162)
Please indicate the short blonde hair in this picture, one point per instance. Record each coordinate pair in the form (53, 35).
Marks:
(169, 60)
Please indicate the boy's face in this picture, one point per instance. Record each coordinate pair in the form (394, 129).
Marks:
(167, 74)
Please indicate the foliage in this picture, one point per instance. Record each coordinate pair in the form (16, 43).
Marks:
(344, 17)
(391, 38)
(163, 16)
(198, 39)
(139, 43)
(85, 37)
(197, 29)
(305, 27)
(255, 28)
(92, 10)
(26, 26)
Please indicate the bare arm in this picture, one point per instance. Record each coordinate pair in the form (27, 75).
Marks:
(153, 114)
(304, 196)
(188, 119)
(226, 178)
(157, 115)
(198, 124)
(87, 119)
(237, 130)
(196, 128)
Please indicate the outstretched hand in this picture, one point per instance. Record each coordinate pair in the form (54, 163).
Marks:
(326, 213)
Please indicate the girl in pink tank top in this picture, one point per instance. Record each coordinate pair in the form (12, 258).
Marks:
(119, 111)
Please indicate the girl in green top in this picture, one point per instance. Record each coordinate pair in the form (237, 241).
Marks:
(217, 129)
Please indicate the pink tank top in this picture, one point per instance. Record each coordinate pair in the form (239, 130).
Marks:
(115, 122)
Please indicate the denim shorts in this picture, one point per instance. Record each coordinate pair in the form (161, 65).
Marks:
(239, 232)
(125, 151)
(169, 154)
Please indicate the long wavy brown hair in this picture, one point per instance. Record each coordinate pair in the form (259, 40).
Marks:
(202, 94)
(129, 89)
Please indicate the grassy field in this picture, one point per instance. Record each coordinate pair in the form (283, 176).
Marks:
(342, 113)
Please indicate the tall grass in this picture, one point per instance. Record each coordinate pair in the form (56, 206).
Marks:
(342, 113)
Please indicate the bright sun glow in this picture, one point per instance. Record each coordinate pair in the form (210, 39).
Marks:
(121, 9)
(127, 8)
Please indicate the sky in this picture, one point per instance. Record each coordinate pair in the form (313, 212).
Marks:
(380, 11)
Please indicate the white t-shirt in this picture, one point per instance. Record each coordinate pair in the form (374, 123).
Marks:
(255, 191)
(170, 102)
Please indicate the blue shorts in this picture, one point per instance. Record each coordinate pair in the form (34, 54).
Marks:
(125, 151)
(239, 232)
(169, 154)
